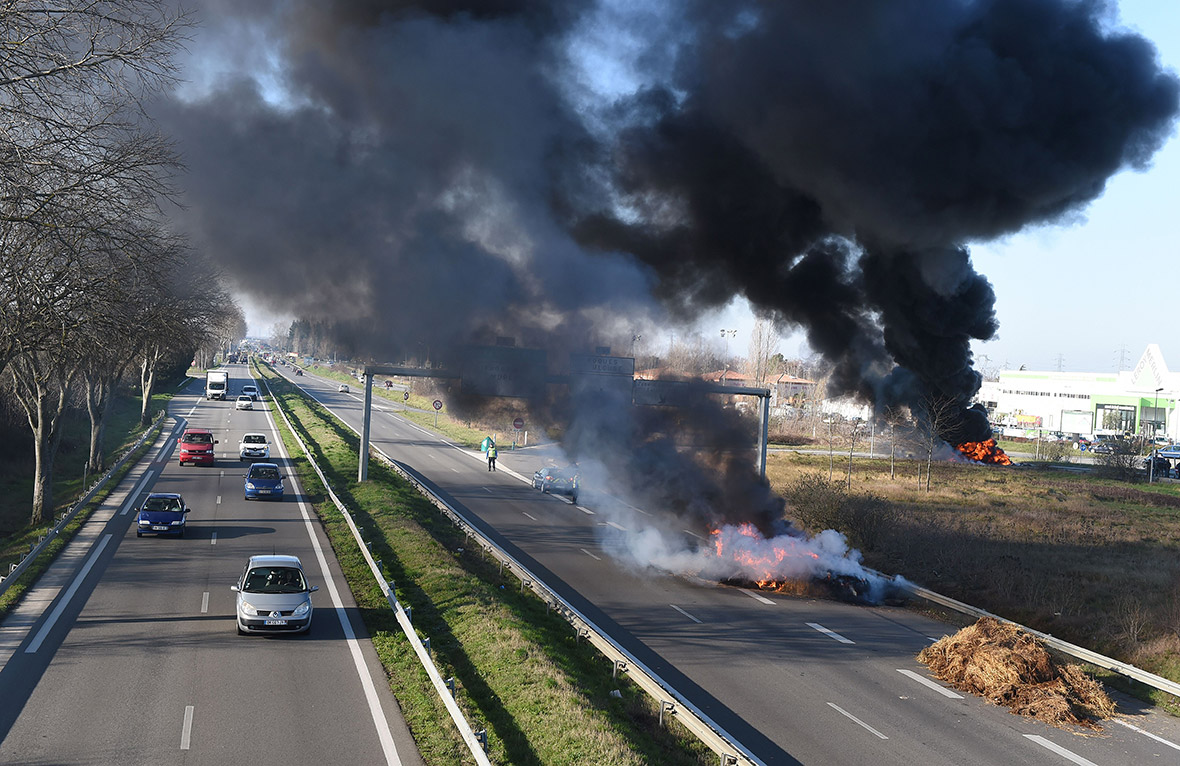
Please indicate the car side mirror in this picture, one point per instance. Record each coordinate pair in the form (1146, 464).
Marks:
(234, 588)
(186, 509)
(313, 589)
(216, 442)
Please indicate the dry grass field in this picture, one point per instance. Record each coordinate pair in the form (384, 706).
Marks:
(1091, 560)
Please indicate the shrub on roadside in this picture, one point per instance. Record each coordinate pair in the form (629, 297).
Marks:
(820, 504)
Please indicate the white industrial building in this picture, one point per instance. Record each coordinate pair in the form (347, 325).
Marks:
(1138, 401)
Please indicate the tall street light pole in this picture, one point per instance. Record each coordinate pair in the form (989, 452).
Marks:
(727, 334)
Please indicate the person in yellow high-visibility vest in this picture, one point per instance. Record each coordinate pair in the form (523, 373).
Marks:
(491, 456)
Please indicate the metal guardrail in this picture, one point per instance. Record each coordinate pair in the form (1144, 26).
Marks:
(16, 570)
(671, 702)
(1072, 650)
(473, 739)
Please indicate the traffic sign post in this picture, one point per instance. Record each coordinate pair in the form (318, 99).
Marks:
(405, 398)
(517, 427)
(437, 407)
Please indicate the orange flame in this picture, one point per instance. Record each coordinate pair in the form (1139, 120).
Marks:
(985, 452)
(765, 567)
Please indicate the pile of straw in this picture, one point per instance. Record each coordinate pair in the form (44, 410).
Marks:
(1009, 667)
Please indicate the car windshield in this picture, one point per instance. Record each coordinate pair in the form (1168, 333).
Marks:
(264, 472)
(254, 439)
(249, 388)
(162, 504)
(198, 438)
(274, 580)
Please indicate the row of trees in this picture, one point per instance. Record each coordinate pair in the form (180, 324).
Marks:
(93, 283)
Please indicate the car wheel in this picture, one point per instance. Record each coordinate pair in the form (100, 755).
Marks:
(545, 488)
(180, 533)
(240, 631)
(138, 533)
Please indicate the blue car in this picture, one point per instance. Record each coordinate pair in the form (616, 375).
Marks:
(161, 514)
(264, 480)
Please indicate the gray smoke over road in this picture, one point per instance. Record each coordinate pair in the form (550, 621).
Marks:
(450, 172)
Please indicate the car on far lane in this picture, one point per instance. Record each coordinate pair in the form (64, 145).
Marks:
(254, 447)
(263, 480)
(250, 391)
(1172, 452)
(562, 481)
(343, 388)
(244, 403)
(274, 596)
(162, 513)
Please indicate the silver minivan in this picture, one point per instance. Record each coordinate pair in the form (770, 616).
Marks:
(273, 596)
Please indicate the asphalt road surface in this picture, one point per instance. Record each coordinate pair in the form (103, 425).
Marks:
(127, 651)
(795, 680)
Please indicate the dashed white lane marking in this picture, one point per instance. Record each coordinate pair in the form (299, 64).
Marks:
(1067, 755)
(219, 499)
(694, 534)
(929, 684)
(205, 602)
(186, 728)
(686, 614)
(190, 412)
(64, 601)
(1161, 740)
(456, 470)
(534, 518)
(829, 633)
(759, 598)
(588, 553)
(488, 489)
(586, 511)
(850, 716)
(619, 527)
(135, 493)
(213, 538)
(222, 476)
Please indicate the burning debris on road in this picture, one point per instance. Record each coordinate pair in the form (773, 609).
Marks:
(985, 452)
(1005, 665)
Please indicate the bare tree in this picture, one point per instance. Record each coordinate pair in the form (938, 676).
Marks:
(935, 413)
(763, 347)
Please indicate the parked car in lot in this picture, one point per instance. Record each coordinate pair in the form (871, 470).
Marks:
(254, 447)
(250, 391)
(562, 481)
(274, 596)
(196, 446)
(263, 480)
(244, 403)
(343, 388)
(1172, 452)
(162, 513)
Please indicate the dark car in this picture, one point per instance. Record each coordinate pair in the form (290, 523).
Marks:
(1111, 447)
(263, 480)
(561, 481)
(161, 514)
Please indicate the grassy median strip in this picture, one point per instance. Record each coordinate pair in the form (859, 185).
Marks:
(543, 696)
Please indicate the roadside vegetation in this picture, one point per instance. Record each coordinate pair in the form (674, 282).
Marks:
(1092, 560)
(520, 671)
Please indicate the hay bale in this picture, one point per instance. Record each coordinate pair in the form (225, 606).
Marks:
(1003, 664)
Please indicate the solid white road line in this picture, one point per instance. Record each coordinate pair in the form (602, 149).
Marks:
(686, 614)
(1067, 755)
(205, 602)
(534, 518)
(930, 684)
(190, 412)
(64, 601)
(829, 633)
(844, 712)
(757, 597)
(130, 501)
(213, 538)
(588, 553)
(1161, 740)
(186, 728)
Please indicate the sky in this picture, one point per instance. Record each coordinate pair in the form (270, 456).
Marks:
(1085, 295)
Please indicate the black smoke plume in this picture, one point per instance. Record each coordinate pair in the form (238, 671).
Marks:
(428, 174)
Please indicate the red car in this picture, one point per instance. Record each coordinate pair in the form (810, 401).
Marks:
(196, 446)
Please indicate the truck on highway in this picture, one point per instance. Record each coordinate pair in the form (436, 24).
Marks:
(216, 384)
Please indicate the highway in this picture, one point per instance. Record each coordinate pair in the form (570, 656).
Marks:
(796, 680)
(126, 652)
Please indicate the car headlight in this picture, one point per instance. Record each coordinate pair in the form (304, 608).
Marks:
(177, 522)
(248, 609)
(145, 522)
(302, 609)
(249, 485)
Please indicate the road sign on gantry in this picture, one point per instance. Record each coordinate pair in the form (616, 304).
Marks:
(504, 371)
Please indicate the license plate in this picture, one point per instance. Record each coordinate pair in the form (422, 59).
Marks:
(275, 622)
(160, 529)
